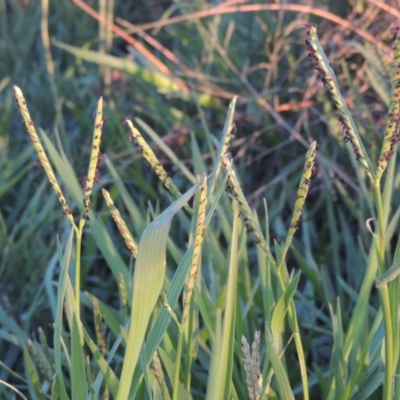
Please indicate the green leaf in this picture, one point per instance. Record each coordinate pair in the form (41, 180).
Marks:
(278, 316)
(228, 334)
(64, 260)
(282, 379)
(148, 280)
(78, 375)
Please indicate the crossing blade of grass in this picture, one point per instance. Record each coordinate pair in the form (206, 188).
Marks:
(280, 310)
(159, 80)
(199, 166)
(148, 280)
(109, 251)
(282, 379)
(64, 169)
(358, 319)
(12, 172)
(64, 261)
(362, 359)
(11, 324)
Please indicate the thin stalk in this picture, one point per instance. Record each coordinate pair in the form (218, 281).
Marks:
(387, 319)
(381, 228)
(384, 298)
(178, 363)
(78, 271)
(189, 347)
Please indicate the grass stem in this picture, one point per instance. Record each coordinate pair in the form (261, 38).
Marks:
(78, 271)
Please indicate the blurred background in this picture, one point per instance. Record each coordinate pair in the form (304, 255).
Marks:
(176, 65)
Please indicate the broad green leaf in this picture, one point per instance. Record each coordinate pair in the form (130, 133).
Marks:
(148, 281)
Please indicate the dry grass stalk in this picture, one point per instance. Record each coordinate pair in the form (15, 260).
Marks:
(251, 363)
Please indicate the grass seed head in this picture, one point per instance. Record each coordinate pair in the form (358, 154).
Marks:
(43, 160)
(392, 129)
(152, 161)
(122, 227)
(349, 130)
(251, 364)
(96, 158)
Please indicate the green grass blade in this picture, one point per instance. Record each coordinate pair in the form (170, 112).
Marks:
(281, 377)
(228, 333)
(214, 378)
(78, 373)
(65, 261)
(280, 310)
(148, 280)
(109, 251)
(159, 80)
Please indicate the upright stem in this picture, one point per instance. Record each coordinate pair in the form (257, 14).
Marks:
(381, 228)
(384, 297)
(178, 364)
(78, 271)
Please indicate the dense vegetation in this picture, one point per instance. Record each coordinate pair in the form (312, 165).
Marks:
(280, 276)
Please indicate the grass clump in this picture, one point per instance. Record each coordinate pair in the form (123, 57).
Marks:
(321, 304)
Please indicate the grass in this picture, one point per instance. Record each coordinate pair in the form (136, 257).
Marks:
(267, 277)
